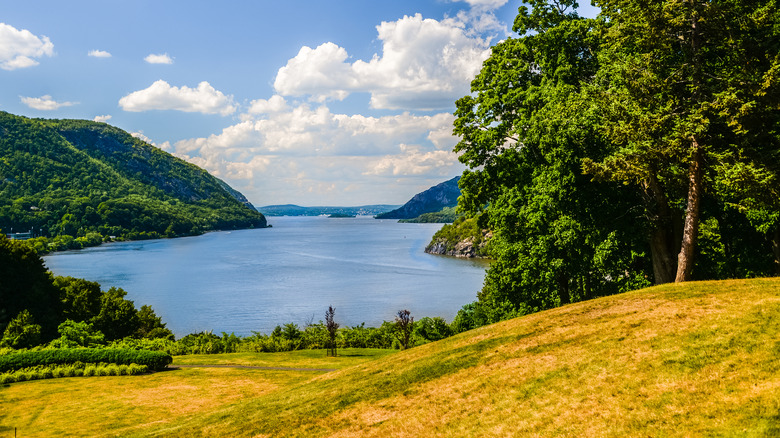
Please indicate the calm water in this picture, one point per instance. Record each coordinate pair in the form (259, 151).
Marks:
(247, 280)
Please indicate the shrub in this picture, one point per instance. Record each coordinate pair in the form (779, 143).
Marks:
(24, 359)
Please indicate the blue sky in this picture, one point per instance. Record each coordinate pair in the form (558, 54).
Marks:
(309, 102)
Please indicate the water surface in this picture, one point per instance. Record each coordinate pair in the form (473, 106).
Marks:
(253, 280)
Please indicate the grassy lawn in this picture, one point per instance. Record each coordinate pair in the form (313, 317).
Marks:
(127, 405)
(699, 359)
(295, 359)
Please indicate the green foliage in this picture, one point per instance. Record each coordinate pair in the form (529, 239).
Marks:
(78, 370)
(117, 318)
(463, 229)
(432, 329)
(150, 325)
(21, 332)
(558, 236)
(26, 285)
(446, 215)
(74, 183)
(155, 360)
(78, 334)
(658, 113)
(81, 299)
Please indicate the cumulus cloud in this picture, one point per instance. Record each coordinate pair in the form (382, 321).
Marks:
(413, 160)
(320, 153)
(44, 103)
(99, 54)
(19, 48)
(486, 4)
(162, 96)
(161, 58)
(425, 64)
(268, 106)
(102, 119)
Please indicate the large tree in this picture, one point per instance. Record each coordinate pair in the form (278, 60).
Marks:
(559, 237)
(689, 95)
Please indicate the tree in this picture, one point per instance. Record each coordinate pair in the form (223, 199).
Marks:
(81, 299)
(21, 332)
(150, 325)
(25, 285)
(559, 237)
(332, 327)
(117, 318)
(689, 91)
(403, 327)
(78, 334)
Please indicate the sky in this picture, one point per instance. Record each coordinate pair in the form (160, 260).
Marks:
(308, 102)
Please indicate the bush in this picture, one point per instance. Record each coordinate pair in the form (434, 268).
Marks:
(155, 360)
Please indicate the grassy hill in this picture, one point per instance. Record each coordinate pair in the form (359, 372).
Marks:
(698, 359)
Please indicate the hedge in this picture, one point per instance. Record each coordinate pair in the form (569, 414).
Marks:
(155, 360)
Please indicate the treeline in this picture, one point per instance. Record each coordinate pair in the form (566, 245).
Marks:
(84, 179)
(291, 337)
(39, 309)
(638, 148)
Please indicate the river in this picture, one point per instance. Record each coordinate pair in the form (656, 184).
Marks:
(252, 280)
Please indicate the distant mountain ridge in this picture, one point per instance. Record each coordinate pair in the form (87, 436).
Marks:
(432, 200)
(82, 178)
(297, 210)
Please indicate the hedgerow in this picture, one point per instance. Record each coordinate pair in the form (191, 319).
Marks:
(71, 370)
(155, 360)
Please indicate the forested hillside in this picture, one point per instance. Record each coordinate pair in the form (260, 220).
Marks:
(89, 180)
(432, 200)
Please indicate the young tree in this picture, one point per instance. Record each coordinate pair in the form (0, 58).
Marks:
(403, 327)
(332, 327)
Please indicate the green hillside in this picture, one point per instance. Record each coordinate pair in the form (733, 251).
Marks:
(693, 359)
(90, 180)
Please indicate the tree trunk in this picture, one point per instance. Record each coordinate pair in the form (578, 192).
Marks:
(685, 259)
(662, 254)
(663, 237)
(776, 249)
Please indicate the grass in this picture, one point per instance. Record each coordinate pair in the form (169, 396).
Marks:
(699, 359)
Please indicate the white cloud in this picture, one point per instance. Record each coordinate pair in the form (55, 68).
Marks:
(102, 119)
(273, 105)
(161, 58)
(425, 64)
(44, 103)
(162, 96)
(98, 54)
(413, 160)
(486, 4)
(141, 136)
(18, 48)
(319, 154)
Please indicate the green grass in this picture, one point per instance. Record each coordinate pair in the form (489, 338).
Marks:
(700, 359)
(294, 359)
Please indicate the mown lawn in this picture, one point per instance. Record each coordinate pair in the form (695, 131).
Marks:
(127, 405)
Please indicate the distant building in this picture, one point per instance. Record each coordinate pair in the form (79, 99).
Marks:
(20, 236)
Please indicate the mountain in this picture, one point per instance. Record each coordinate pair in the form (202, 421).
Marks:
(90, 180)
(432, 200)
(297, 210)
